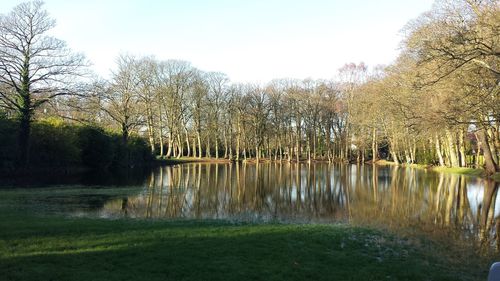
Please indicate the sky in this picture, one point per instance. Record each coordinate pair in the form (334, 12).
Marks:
(249, 40)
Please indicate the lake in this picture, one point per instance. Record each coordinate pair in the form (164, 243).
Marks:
(455, 206)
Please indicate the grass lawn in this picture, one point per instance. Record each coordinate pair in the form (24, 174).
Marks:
(52, 247)
(461, 171)
(455, 170)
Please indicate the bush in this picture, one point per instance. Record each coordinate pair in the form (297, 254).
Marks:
(135, 152)
(139, 150)
(54, 143)
(96, 148)
(8, 143)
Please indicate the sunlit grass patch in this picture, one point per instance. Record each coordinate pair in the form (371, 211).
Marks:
(460, 170)
(58, 248)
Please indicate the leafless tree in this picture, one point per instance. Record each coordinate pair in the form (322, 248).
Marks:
(34, 67)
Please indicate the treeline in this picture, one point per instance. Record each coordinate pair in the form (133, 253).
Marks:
(437, 104)
(183, 111)
(55, 144)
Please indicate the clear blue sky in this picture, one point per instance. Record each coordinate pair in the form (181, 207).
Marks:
(250, 40)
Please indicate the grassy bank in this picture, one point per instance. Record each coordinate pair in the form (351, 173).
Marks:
(182, 160)
(455, 170)
(59, 248)
(460, 170)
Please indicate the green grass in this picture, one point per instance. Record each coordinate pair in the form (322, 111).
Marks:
(473, 172)
(460, 170)
(58, 248)
(38, 243)
(455, 170)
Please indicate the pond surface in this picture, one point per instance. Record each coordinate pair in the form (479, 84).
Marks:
(388, 196)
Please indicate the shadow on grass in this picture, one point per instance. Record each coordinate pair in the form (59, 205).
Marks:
(86, 249)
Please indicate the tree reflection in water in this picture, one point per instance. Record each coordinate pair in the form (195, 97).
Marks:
(319, 193)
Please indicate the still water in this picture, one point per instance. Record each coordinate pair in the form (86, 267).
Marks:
(388, 196)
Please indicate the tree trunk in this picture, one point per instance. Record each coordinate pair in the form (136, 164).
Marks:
(413, 151)
(392, 149)
(194, 148)
(25, 114)
(125, 133)
(452, 151)
(238, 140)
(188, 144)
(374, 146)
(491, 136)
(225, 144)
(439, 153)
(216, 146)
(198, 138)
(280, 149)
(208, 152)
(394, 157)
(314, 144)
(491, 166)
(328, 142)
(169, 150)
(151, 137)
(348, 151)
(24, 137)
(160, 141)
(160, 131)
(461, 149)
(180, 146)
(407, 156)
(308, 146)
(298, 144)
(174, 148)
(231, 148)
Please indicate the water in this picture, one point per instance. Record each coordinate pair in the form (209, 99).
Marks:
(399, 198)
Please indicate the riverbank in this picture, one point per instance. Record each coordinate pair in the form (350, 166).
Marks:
(181, 160)
(455, 170)
(61, 248)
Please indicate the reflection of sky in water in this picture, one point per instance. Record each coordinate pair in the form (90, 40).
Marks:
(475, 193)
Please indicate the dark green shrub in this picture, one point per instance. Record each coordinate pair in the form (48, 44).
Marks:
(135, 153)
(96, 146)
(54, 144)
(8, 143)
(139, 151)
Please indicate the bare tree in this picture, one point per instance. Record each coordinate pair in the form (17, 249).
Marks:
(121, 97)
(34, 67)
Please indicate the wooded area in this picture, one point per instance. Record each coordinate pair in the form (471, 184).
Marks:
(438, 103)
